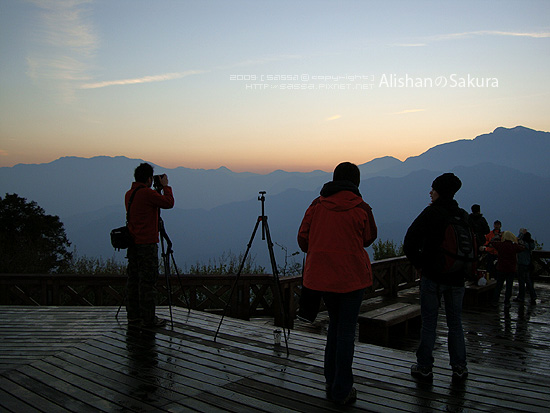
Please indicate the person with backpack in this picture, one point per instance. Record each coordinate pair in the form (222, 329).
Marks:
(442, 274)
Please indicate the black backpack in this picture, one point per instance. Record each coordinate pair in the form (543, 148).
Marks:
(459, 244)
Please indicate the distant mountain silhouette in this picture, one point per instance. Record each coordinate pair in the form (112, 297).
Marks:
(519, 148)
(506, 172)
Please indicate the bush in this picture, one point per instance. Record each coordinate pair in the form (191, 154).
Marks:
(386, 249)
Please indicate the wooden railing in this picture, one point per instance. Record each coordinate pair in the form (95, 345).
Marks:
(541, 265)
(254, 295)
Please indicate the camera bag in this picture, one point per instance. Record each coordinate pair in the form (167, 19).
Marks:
(121, 237)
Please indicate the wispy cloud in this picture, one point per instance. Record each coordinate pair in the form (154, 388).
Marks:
(335, 117)
(66, 46)
(404, 112)
(3, 152)
(408, 44)
(144, 79)
(536, 35)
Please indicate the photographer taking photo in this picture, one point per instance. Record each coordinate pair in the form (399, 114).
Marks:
(143, 263)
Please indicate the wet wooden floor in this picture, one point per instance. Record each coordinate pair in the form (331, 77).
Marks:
(82, 359)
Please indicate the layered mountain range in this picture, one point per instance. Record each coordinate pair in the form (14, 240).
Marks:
(507, 172)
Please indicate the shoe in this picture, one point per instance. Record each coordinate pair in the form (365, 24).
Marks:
(422, 373)
(460, 373)
(350, 398)
(157, 322)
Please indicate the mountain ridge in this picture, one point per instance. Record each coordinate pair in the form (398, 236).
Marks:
(216, 209)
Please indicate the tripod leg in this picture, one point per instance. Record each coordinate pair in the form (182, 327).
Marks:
(187, 302)
(284, 314)
(166, 262)
(237, 276)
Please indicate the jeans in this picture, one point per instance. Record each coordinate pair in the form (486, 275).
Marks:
(524, 277)
(343, 310)
(501, 278)
(430, 299)
(143, 272)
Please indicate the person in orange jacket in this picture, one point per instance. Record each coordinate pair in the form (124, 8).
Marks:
(335, 230)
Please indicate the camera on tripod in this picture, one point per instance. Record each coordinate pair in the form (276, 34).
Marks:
(156, 182)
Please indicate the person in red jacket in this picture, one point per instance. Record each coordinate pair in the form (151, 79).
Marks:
(335, 230)
(143, 255)
(507, 265)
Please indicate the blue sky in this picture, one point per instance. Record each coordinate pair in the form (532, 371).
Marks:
(265, 85)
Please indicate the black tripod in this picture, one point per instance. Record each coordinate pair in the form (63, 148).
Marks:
(166, 256)
(265, 233)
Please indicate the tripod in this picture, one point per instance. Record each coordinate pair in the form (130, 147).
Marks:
(265, 234)
(166, 255)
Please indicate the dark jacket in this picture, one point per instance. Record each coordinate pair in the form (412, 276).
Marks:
(422, 244)
(480, 227)
(334, 232)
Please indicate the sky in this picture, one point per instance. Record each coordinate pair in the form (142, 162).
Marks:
(265, 85)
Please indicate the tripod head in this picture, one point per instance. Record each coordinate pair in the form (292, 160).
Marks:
(261, 198)
(262, 217)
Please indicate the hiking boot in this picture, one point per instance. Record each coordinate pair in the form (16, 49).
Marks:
(460, 373)
(422, 372)
(156, 323)
(349, 399)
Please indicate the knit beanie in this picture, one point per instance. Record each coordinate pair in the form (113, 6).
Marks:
(447, 185)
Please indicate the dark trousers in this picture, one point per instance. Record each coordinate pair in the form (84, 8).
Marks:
(430, 300)
(143, 272)
(524, 278)
(502, 277)
(343, 310)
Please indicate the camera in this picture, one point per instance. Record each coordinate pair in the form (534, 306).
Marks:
(156, 182)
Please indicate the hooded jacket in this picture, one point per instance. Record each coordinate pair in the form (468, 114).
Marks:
(335, 230)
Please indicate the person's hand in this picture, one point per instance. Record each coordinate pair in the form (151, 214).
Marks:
(164, 180)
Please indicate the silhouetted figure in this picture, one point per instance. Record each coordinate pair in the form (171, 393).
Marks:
(506, 266)
(492, 254)
(479, 224)
(524, 267)
(143, 264)
(335, 230)
(423, 248)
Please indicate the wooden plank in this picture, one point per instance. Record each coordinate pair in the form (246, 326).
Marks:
(183, 369)
(396, 316)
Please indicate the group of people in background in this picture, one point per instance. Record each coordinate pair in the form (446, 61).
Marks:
(507, 256)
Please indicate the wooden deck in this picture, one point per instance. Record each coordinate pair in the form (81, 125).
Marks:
(80, 359)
